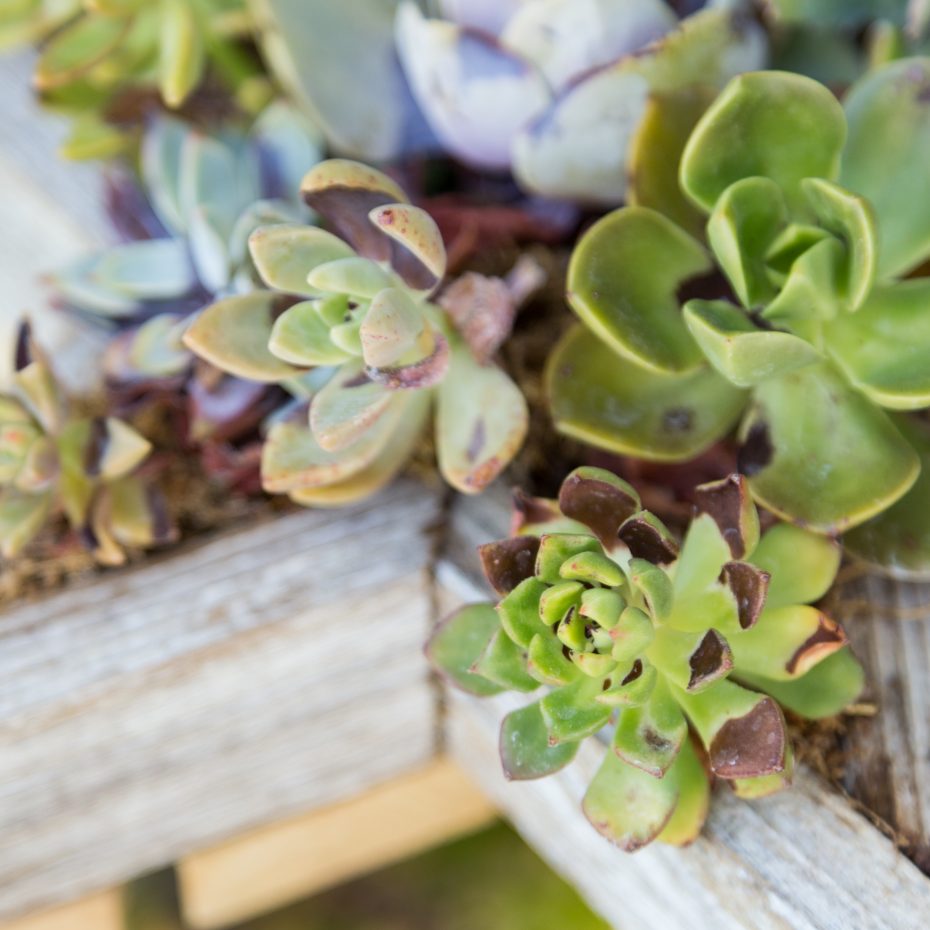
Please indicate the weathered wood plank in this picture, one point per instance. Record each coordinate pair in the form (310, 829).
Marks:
(888, 758)
(801, 860)
(284, 862)
(163, 709)
(102, 911)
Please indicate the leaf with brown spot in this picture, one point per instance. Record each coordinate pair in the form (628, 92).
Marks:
(749, 586)
(729, 503)
(508, 562)
(600, 500)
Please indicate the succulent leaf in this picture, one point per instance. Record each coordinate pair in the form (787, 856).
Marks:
(526, 752)
(182, 58)
(301, 335)
(651, 735)
(504, 664)
(459, 641)
(285, 255)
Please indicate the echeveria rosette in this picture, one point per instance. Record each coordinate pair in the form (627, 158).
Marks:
(350, 329)
(198, 199)
(557, 90)
(681, 658)
(98, 52)
(52, 462)
(792, 318)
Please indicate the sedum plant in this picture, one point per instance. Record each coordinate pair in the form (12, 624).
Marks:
(201, 197)
(796, 315)
(96, 52)
(554, 90)
(681, 659)
(53, 462)
(350, 329)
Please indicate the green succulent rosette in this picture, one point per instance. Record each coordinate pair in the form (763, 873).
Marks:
(53, 463)
(681, 659)
(349, 328)
(96, 54)
(796, 317)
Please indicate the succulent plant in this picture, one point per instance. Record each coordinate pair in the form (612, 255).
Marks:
(95, 52)
(350, 328)
(797, 321)
(201, 198)
(53, 462)
(554, 89)
(681, 658)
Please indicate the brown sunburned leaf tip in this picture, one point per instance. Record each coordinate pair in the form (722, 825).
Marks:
(598, 504)
(646, 542)
(750, 586)
(711, 660)
(508, 562)
(825, 640)
(751, 745)
(529, 510)
(726, 502)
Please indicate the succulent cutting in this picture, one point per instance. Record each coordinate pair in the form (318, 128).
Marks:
(800, 315)
(349, 328)
(679, 658)
(53, 462)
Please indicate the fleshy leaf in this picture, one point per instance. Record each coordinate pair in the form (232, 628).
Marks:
(802, 565)
(284, 255)
(808, 440)
(600, 500)
(77, 48)
(650, 736)
(600, 398)
(508, 565)
(182, 53)
(346, 407)
(570, 713)
(525, 749)
(481, 421)
(419, 255)
(301, 336)
(742, 352)
(233, 335)
(690, 812)
(390, 327)
(889, 139)
(457, 643)
(730, 505)
(628, 806)
(504, 663)
(152, 269)
(767, 124)
(623, 282)
(884, 348)
(21, 517)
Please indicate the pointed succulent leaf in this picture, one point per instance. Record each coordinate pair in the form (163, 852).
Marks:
(889, 139)
(648, 538)
(787, 642)
(556, 548)
(801, 565)
(577, 147)
(77, 48)
(729, 503)
(655, 586)
(21, 518)
(692, 661)
(571, 713)
(749, 587)
(503, 662)
(627, 805)
(152, 269)
(233, 335)
(827, 689)
(600, 500)
(631, 689)
(770, 124)
(79, 285)
(419, 255)
(458, 642)
(114, 449)
(745, 221)
(481, 421)
(742, 352)
(808, 440)
(384, 466)
(594, 664)
(348, 405)
(651, 735)
(655, 155)
(390, 327)
(182, 53)
(289, 141)
(284, 255)
(136, 514)
(751, 789)
(301, 337)
(548, 663)
(851, 219)
(209, 172)
(509, 563)
(743, 731)
(475, 93)
(155, 348)
(603, 399)
(567, 40)
(37, 389)
(526, 752)
(883, 349)
(688, 773)
(704, 552)
(624, 281)
(520, 610)
(605, 607)
(160, 166)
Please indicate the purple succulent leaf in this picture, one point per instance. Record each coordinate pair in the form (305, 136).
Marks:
(508, 562)
(426, 372)
(489, 16)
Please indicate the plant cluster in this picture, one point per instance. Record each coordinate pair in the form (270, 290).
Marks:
(680, 658)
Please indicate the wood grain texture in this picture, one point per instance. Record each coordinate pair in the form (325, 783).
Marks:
(163, 709)
(281, 863)
(801, 860)
(888, 758)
